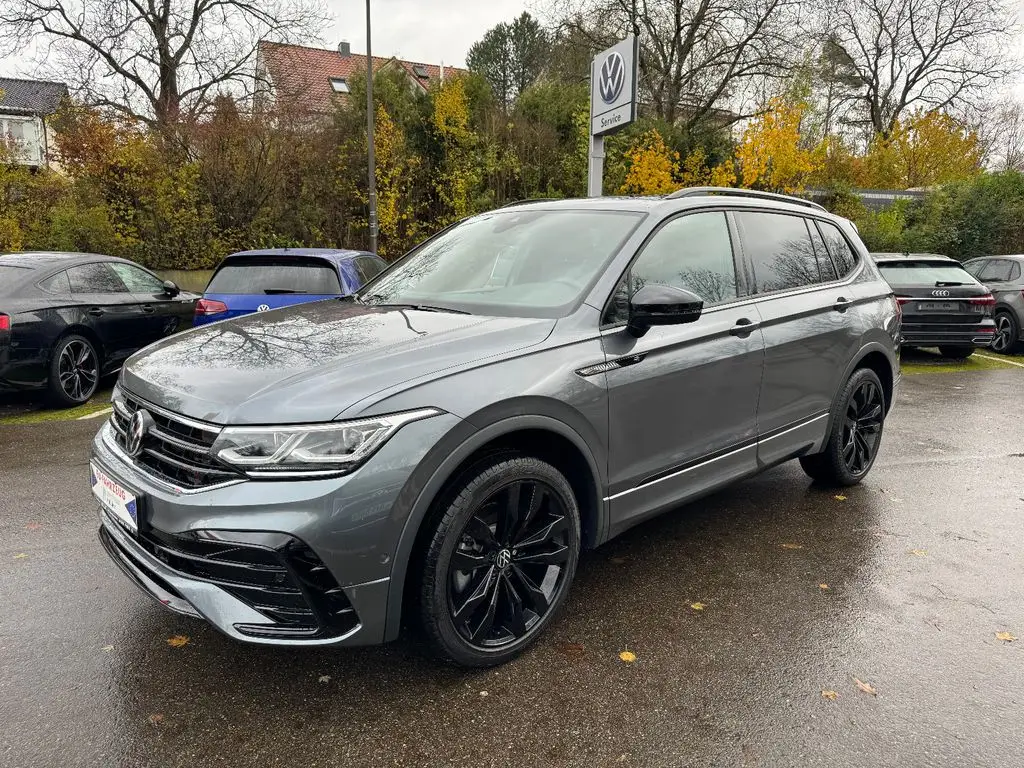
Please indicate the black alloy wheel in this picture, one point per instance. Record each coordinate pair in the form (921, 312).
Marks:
(509, 564)
(856, 433)
(74, 371)
(863, 427)
(1005, 338)
(501, 561)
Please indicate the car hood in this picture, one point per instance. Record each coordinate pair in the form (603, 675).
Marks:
(310, 362)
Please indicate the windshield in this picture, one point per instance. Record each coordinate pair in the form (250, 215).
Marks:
(899, 273)
(508, 262)
(275, 274)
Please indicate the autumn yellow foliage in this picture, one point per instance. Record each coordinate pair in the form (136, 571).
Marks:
(770, 156)
(653, 167)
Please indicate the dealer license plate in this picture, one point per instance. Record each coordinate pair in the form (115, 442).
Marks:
(114, 497)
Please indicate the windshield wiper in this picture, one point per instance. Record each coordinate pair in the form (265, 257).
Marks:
(278, 291)
(427, 308)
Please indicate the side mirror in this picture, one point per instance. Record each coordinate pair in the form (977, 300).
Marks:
(662, 305)
(171, 289)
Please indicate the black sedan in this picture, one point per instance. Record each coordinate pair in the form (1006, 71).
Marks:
(943, 305)
(67, 319)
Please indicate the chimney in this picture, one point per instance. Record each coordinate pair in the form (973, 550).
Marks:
(442, 73)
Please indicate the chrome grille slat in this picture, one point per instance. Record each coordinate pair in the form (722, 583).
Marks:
(176, 449)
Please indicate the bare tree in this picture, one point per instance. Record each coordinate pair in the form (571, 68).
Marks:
(697, 57)
(160, 61)
(936, 54)
(1001, 130)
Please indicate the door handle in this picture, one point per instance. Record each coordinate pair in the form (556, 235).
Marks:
(744, 327)
(148, 308)
(842, 304)
(95, 311)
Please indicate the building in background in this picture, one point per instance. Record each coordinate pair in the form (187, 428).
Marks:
(26, 107)
(314, 78)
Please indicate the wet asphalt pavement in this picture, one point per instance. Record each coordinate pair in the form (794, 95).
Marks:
(923, 566)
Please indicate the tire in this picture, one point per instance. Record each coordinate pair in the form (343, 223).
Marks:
(74, 372)
(1005, 341)
(956, 352)
(490, 612)
(850, 450)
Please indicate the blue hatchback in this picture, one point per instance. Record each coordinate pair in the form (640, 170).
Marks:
(256, 281)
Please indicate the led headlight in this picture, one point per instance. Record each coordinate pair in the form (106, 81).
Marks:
(309, 451)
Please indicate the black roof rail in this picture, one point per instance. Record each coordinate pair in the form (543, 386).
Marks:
(733, 192)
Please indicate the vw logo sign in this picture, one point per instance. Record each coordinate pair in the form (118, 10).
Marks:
(612, 78)
(940, 293)
(138, 426)
(503, 559)
(262, 307)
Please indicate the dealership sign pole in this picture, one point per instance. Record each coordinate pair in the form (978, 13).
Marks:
(612, 102)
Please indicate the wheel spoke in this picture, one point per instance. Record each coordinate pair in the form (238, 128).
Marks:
(483, 629)
(467, 562)
(66, 376)
(556, 555)
(534, 595)
(516, 621)
(555, 526)
(508, 518)
(479, 594)
(83, 355)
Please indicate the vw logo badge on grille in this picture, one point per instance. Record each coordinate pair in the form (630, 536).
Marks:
(139, 425)
(613, 77)
(262, 307)
(940, 293)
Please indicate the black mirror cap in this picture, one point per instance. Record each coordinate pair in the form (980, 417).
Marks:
(662, 305)
(170, 288)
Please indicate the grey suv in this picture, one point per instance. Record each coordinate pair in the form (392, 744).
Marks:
(527, 383)
(1004, 276)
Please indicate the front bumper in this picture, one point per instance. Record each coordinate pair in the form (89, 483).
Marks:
(347, 530)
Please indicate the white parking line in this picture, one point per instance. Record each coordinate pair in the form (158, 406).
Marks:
(1000, 360)
(95, 414)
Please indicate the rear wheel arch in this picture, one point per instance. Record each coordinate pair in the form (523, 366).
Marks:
(83, 331)
(544, 437)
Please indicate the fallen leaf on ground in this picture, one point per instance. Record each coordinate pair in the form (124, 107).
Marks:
(20, 556)
(572, 649)
(792, 546)
(628, 656)
(698, 606)
(107, 648)
(32, 527)
(830, 695)
(483, 693)
(840, 497)
(1006, 637)
(823, 586)
(155, 719)
(177, 641)
(919, 552)
(324, 679)
(866, 687)
(618, 560)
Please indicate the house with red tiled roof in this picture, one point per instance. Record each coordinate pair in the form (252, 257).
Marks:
(315, 77)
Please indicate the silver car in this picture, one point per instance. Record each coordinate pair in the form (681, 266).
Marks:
(1004, 277)
(526, 384)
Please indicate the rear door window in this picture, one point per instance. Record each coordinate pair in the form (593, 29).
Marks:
(780, 250)
(95, 278)
(275, 275)
(924, 273)
(838, 248)
(996, 271)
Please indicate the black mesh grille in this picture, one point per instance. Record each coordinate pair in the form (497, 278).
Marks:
(173, 450)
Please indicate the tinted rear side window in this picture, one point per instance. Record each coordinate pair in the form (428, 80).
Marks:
(843, 256)
(58, 284)
(926, 273)
(996, 271)
(95, 278)
(274, 274)
(780, 250)
(1015, 272)
(12, 276)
